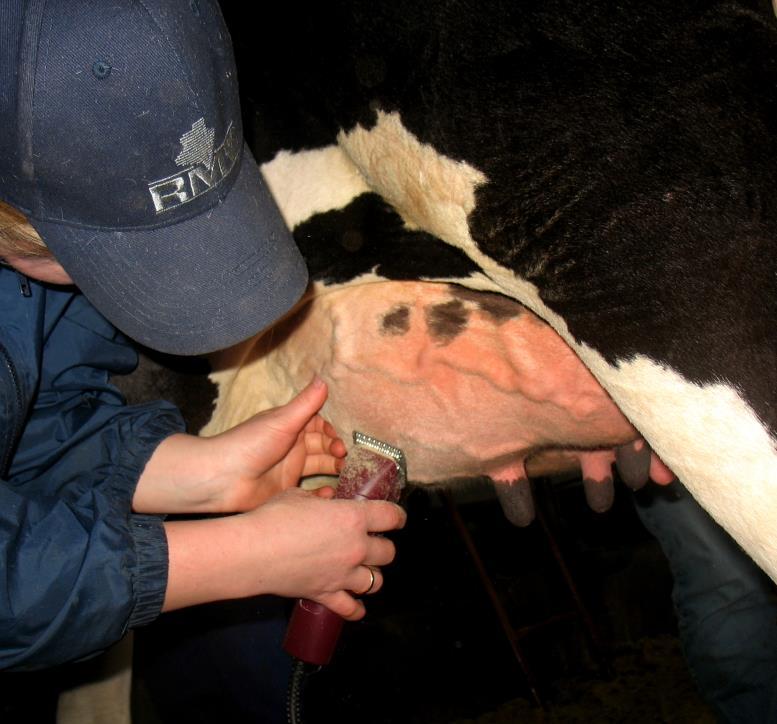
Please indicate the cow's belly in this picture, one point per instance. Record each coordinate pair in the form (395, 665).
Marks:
(466, 384)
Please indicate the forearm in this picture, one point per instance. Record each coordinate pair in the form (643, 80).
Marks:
(245, 466)
(295, 545)
(206, 561)
(179, 478)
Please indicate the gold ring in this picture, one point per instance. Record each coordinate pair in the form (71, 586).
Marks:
(372, 581)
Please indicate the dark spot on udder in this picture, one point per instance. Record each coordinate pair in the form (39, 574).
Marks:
(497, 306)
(396, 322)
(446, 321)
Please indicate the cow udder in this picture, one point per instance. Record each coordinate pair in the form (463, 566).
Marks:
(465, 383)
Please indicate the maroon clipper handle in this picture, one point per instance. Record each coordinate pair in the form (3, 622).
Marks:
(312, 633)
(373, 471)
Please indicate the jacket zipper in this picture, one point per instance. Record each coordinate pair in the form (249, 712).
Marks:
(24, 285)
(17, 426)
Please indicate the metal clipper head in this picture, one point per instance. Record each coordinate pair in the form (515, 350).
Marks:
(373, 470)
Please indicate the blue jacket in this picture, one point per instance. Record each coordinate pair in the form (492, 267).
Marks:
(77, 567)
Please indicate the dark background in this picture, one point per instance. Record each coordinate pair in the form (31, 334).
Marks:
(432, 650)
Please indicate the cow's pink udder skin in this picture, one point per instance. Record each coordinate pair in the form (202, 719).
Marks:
(460, 399)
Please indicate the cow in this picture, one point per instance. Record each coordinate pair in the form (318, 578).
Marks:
(607, 167)
(538, 232)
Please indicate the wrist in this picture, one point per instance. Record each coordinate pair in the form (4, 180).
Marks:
(180, 477)
(213, 560)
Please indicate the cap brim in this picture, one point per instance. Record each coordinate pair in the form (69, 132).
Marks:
(196, 286)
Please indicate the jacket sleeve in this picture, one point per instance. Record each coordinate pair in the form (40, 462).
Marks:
(79, 567)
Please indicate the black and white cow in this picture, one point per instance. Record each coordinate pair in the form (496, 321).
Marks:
(609, 166)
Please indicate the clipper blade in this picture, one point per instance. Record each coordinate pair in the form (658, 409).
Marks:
(383, 448)
(373, 470)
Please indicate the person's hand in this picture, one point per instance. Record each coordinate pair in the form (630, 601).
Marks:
(274, 449)
(323, 548)
(244, 466)
(295, 545)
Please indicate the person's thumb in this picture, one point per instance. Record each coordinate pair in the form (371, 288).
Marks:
(306, 404)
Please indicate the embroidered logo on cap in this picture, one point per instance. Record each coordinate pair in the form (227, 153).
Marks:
(204, 167)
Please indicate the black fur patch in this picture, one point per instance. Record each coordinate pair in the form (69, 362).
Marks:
(368, 235)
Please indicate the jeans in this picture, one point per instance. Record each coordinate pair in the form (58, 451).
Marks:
(726, 607)
(221, 662)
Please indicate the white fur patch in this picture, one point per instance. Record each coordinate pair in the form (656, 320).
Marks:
(711, 439)
(312, 182)
(428, 190)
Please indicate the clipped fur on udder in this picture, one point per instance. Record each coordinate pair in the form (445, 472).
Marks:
(464, 391)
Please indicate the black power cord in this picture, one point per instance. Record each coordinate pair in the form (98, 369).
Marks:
(300, 673)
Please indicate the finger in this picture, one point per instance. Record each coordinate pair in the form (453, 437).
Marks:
(329, 429)
(380, 551)
(370, 580)
(383, 516)
(323, 426)
(320, 425)
(325, 491)
(321, 465)
(343, 604)
(317, 442)
(338, 448)
(306, 404)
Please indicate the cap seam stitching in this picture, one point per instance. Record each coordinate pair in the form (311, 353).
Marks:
(28, 84)
(173, 46)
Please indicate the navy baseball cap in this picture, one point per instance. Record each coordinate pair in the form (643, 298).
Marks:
(122, 143)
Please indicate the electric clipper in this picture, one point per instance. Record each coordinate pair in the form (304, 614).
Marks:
(373, 470)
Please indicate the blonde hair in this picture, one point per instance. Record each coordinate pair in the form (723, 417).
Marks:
(17, 237)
